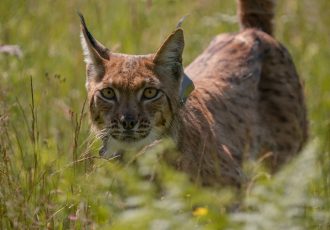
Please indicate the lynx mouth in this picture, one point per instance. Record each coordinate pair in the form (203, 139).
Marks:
(119, 142)
(129, 139)
(129, 136)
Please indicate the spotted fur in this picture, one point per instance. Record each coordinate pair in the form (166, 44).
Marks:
(248, 99)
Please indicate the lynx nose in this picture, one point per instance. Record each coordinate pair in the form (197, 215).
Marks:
(128, 122)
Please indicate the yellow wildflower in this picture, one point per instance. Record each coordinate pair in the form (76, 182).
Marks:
(200, 211)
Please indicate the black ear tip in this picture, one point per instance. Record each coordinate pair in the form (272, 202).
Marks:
(178, 33)
(179, 30)
(82, 19)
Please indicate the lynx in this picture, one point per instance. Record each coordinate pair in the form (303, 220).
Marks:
(244, 100)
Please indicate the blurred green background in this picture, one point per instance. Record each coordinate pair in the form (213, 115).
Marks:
(50, 175)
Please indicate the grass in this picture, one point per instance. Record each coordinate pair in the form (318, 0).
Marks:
(50, 172)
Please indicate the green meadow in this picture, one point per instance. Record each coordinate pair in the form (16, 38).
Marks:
(51, 176)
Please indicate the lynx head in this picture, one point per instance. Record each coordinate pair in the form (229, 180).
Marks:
(132, 98)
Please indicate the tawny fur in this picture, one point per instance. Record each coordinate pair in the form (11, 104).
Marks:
(256, 14)
(248, 99)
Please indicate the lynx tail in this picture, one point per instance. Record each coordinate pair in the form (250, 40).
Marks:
(257, 14)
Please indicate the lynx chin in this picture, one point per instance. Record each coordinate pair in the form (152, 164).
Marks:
(247, 102)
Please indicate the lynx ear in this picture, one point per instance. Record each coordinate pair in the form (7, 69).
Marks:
(95, 53)
(169, 56)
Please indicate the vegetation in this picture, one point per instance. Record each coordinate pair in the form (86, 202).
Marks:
(50, 172)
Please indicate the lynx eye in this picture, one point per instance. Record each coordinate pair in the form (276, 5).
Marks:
(108, 93)
(150, 93)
